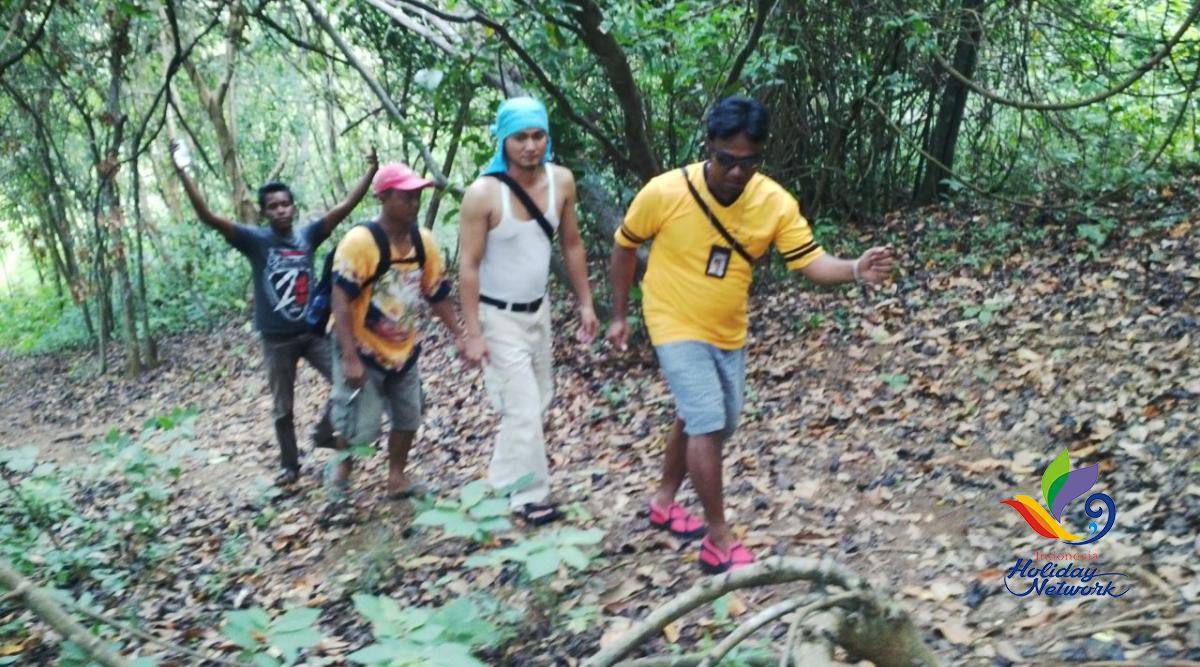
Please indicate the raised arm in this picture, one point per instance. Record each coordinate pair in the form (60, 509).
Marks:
(223, 225)
(339, 212)
(575, 256)
(472, 239)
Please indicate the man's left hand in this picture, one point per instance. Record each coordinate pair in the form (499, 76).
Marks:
(372, 160)
(875, 265)
(588, 325)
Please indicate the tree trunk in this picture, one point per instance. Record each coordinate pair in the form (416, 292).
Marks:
(214, 105)
(608, 51)
(464, 108)
(944, 137)
(149, 347)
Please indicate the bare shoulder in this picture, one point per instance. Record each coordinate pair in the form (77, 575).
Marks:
(563, 177)
(481, 189)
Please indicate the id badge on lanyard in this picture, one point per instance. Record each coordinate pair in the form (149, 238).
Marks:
(718, 262)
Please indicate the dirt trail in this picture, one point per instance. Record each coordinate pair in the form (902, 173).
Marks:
(884, 437)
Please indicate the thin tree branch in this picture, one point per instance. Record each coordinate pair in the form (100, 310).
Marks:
(18, 22)
(43, 604)
(764, 9)
(969, 185)
(608, 51)
(33, 40)
(146, 636)
(768, 571)
(543, 79)
(1137, 73)
(438, 177)
(261, 16)
(180, 56)
(360, 121)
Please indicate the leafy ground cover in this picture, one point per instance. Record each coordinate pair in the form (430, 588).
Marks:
(882, 430)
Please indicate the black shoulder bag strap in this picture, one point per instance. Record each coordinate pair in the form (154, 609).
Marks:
(526, 201)
(418, 245)
(385, 250)
(737, 247)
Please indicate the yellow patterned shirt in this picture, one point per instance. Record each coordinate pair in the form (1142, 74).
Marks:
(384, 312)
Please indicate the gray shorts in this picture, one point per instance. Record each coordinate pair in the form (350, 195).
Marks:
(709, 385)
(357, 419)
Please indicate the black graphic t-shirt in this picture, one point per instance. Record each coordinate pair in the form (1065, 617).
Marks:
(282, 268)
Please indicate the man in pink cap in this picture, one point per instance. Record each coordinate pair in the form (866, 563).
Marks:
(382, 271)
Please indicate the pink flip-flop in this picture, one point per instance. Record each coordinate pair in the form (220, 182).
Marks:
(715, 561)
(677, 521)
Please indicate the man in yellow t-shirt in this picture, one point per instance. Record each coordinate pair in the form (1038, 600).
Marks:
(375, 312)
(709, 221)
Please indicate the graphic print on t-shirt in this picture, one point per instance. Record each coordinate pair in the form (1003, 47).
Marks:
(287, 279)
(394, 303)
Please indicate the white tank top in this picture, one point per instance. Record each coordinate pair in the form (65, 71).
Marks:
(516, 261)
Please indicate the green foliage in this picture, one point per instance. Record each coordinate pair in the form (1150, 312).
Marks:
(260, 636)
(34, 319)
(540, 556)
(896, 381)
(118, 528)
(477, 513)
(419, 637)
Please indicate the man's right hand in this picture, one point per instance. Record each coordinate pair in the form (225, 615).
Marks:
(354, 371)
(475, 350)
(618, 333)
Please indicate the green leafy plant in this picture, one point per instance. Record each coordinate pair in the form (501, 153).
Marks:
(896, 381)
(477, 513)
(419, 637)
(268, 642)
(541, 556)
(986, 311)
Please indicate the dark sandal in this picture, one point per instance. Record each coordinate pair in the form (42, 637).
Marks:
(415, 490)
(538, 514)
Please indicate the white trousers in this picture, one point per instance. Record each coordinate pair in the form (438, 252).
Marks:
(520, 383)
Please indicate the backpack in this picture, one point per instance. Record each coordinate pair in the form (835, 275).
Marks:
(320, 303)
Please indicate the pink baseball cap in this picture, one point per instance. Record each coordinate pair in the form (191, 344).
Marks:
(397, 176)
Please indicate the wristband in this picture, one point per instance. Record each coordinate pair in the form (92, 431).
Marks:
(854, 270)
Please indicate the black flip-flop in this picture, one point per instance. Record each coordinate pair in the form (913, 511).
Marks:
(538, 514)
(415, 490)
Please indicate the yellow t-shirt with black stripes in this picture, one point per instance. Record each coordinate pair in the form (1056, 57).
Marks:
(680, 300)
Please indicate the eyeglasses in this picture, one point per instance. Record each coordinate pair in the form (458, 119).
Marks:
(729, 162)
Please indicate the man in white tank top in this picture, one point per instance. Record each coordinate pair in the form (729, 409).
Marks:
(504, 269)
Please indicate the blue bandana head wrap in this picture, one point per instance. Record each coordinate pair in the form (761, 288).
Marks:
(514, 115)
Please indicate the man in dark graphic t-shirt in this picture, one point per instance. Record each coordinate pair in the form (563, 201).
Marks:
(281, 264)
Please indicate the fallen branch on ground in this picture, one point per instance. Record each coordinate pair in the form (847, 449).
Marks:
(866, 626)
(44, 605)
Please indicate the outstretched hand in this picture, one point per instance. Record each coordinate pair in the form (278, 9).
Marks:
(875, 265)
(372, 159)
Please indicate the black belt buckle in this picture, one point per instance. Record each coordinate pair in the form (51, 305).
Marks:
(530, 307)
